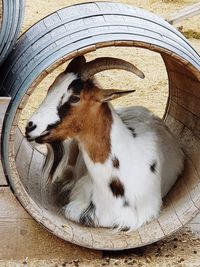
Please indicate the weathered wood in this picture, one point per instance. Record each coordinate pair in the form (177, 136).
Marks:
(168, 218)
(82, 36)
(22, 237)
(2, 176)
(23, 161)
(35, 176)
(4, 101)
(151, 231)
(182, 202)
(184, 13)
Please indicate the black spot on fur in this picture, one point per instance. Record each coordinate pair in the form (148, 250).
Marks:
(76, 86)
(126, 203)
(52, 125)
(153, 166)
(63, 110)
(30, 127)
(133, 131)
(87, 217)
(115, 162)
(117, 187)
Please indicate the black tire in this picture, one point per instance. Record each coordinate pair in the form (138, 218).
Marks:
(12, 17)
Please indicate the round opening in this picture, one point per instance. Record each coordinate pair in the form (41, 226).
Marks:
(152, 93)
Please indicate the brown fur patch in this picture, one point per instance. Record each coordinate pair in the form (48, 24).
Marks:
(117, 187)
(89, 122)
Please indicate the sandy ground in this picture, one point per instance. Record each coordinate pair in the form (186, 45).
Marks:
(151, 92)
(182, 249)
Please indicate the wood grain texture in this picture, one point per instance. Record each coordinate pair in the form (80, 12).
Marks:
(4, 101)
(46, 46)
(22, 237)
(181, 204)
(185, 13)
(2, 176)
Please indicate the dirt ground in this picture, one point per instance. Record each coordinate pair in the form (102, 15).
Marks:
(151, 92)
(183, 249)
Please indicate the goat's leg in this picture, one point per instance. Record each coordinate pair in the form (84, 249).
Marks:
(80, 207)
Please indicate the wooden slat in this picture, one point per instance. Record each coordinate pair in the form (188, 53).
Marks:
(182, 202)
(175, 126)
(18, 140)
(23, 160)
(192, 181)
(196, 220)
(4, 101)
(188, 85)
(187, 100)
(185, 117)
(22, 237)
(106, 238)
(151, 231)
(2, 176)
(168, 218)
(191, 145)
(35, 176)
(194, 225)
(185, 13)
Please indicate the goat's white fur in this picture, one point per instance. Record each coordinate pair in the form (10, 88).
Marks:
(47, 112)
(144, 189)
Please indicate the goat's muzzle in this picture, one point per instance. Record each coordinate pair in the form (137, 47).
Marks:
(29, 128)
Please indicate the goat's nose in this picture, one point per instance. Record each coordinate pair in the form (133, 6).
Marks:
(30, 127)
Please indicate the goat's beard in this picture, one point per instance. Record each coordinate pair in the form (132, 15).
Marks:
(58, 173)
(56, 158)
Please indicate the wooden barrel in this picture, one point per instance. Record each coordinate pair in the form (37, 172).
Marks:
(11, 16)
(77, 30)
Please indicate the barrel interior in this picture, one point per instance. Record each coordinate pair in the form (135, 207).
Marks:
(153, 98)
(178, 100)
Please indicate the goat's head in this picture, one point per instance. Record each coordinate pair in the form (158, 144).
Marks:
(72, 98)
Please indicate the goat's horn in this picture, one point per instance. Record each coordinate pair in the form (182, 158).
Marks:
(108, 63)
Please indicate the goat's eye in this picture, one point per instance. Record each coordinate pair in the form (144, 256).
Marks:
(74, 99)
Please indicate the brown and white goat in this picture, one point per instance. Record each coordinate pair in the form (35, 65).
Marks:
(132, 159)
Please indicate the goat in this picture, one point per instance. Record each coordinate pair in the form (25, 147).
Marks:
(131, 156)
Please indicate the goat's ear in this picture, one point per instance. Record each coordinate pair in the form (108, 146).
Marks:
(76, 64)
(110, 94)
